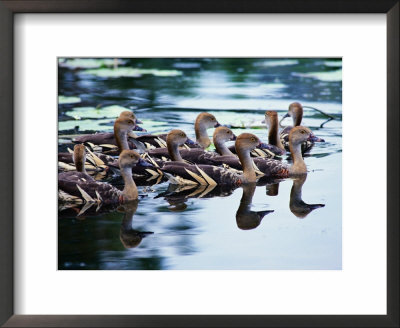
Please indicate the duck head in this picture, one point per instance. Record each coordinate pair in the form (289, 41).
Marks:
(223, 134)
(132, 116)
(207, 120)
(295, 112)
(203, 122)
(124, 124)
(79, 157)
(300, 134)
(247, 142)
(130, 158)
(175, 138)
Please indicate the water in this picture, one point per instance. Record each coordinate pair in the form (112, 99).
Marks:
(216, 230)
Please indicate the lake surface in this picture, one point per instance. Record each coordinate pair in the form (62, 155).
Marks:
(193, 229)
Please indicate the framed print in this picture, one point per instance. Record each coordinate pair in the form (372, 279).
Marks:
(299, 229)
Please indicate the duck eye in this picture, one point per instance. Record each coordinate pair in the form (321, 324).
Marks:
(253, 139)
(227, 132)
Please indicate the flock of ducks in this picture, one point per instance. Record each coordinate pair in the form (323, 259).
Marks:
(180, 160)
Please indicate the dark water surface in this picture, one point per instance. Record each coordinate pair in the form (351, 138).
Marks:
(197, 229)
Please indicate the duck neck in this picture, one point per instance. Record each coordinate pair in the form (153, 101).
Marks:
(201, 135)
(80, 162)
(174, 153)
(297, 119)
(221, 148)
(130, 191)
(273, 135)
(121, 138)
(249, 175)
(298, 167)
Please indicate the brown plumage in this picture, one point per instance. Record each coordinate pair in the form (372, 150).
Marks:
(199, 155)
(296, 113)
(84, 187)
(179, 172)
(123, 126)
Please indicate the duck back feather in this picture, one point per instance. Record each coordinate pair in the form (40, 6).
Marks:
(68, 181)
(202, 174)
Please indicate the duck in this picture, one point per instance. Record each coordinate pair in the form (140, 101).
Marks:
(122, 127)
(296, 113)
(78, 187)
(272, 167)
(97, 160)
(221, 135)
(107, 143)
(203, 122)
(180, 172)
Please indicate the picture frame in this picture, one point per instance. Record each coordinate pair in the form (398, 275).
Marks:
(7, 10)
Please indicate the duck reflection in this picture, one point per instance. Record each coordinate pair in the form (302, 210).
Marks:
(245, 218)
(272, 189)
(271, 185)
(177, 195)
(297, 206)
(130, 237)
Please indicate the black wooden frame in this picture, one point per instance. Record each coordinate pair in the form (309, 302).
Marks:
(7, 10)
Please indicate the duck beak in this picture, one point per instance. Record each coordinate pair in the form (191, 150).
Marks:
(286, 115)
(142, 162)
(263, 121)
(217, 125)
(139, 128)
(233, 137)
(314, 138)
(190, 142)
(139, 121)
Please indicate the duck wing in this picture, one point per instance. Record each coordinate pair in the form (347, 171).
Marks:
(97, 138)
(105, 142)
(160, 141)
(271, 152)
(231, 161)
(271, 167)
(193, 155)
(157, 141)
(182, 173)
(68, 182)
